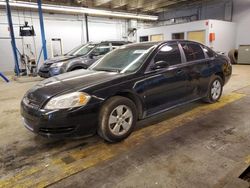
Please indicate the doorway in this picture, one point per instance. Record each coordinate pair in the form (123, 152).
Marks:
(178, 36)
(144, 38)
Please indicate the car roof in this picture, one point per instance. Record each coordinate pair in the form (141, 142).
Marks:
(115, 41)
(143, 44)
(149, 44)
(146, 44)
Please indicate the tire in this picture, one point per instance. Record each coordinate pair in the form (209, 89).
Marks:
(214, 91)
(117, 119)
(233, 56)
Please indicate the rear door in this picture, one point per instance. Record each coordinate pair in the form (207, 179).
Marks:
(196, 66)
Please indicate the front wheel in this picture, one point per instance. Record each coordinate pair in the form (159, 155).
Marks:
(215, 90)
(117, 119)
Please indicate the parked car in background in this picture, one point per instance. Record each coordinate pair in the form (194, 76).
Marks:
(80, 57)
(131, 83)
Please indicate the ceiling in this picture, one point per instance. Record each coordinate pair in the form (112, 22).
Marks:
(133, 6)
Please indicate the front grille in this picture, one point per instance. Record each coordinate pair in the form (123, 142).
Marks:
(44, 74)
(29, 122)
(44, 71)
(35, 104)
(47, 65)
(58, 130)
(31, 103)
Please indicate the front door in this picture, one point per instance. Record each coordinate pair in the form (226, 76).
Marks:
(166, 87)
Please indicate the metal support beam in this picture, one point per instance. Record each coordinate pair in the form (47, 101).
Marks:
(87, 27)
(39, 3)
(12, 35)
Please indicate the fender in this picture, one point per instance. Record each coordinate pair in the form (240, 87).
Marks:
(76, 64)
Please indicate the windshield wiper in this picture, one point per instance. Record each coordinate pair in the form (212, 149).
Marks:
(108, 70)
(69, 54)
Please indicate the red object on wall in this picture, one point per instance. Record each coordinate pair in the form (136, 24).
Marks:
(211, 37)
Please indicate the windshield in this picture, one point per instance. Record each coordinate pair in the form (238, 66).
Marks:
(123, 59)
(81, 50)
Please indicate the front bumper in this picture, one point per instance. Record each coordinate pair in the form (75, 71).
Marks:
(61, 123)
(46, 72)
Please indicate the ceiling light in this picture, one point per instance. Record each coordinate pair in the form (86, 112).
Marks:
(80, 10)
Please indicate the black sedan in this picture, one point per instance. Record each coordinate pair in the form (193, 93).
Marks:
(130, 83)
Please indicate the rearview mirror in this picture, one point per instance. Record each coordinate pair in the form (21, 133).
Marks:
(160, 65)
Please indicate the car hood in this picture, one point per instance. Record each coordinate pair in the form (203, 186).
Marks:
(68, 82)
(60, 59)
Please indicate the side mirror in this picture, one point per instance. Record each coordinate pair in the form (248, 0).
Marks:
(160, 65)
(91, 56)
(94, 54)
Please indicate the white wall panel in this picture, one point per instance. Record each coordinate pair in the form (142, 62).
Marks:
(224, 31)
(225, 34)
(167, 31)
(105, 29)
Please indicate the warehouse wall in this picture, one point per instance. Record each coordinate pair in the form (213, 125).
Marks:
(224, 32)
(168, 30)
(237, 11)
(71, 29)
(242, 18)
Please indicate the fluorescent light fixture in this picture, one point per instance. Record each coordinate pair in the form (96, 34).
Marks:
(80, 10)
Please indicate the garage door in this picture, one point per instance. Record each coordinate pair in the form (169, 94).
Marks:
(156, 38)
(198, 36)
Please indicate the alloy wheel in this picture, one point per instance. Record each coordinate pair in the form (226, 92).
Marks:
(120, 120)
(216, 90)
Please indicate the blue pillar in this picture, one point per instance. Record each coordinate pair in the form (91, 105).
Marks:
(12, 35)
(39, 3)
(4, 77)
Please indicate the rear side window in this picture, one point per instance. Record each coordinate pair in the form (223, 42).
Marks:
(169, 53)
(208, 51)
(193, 52)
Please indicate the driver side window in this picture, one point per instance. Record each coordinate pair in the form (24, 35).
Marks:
(169, 53)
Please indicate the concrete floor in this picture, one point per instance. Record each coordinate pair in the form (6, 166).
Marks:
(197, 145)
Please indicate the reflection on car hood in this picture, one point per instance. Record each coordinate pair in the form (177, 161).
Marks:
(82, 79)
(68, 82)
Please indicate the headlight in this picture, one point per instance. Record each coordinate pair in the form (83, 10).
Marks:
(57, 64)
(71, 100)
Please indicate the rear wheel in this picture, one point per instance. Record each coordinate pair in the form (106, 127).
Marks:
(117, 119)
(215, 90)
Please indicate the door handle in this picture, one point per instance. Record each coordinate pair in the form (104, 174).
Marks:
(179, 72)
